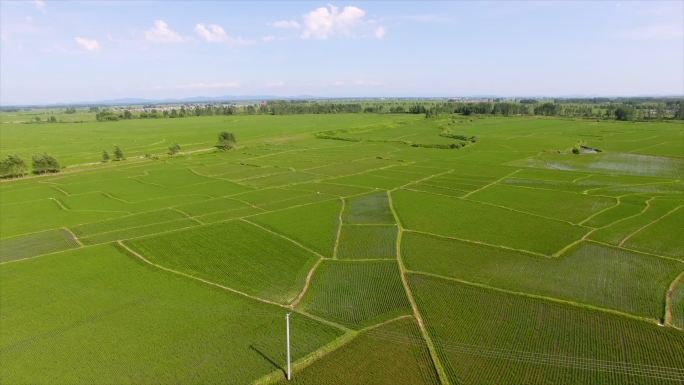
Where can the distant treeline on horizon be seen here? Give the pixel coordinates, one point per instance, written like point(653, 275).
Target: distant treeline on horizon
point(638, 108)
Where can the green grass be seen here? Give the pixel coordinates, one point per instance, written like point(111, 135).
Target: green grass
point(484, 223)
point(663, 236)
point(96, 315)
point(677, 298)
point(574, 207)
point(589, 273)
point(92, 315)
point(314, 226)
point(235, 254)
point(30, 245)
point(356, 294)
point(388, 355)
point(620, 230)
point(370, 208)
point(367, 241)
point(486, 337)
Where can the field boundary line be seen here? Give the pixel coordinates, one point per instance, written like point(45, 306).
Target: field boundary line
point(192, 218)
point(627, 185)
point(309, 359)
point(587, 306)
point(316, 253)
point(307, 282)
point(364, 259)
point(139, 256)
point(339, 230)
point(323, 320)
point(668, 301)
point(647, 205)
point(555, 190)
point(78, 241)
point(479, 243)
point(634, 250)
point(423, 179)
point(618, 202)
point(492, 183)
point(439, 368)
point(518, 211)
point(625, 239)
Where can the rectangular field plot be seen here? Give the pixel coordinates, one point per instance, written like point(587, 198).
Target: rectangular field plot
point(125, 222)
point(589, 273)
point(367, 241)
point(212, 205)
point(235, 254)
point(622, 230)
point(30, 245)
point(95, 201)
point(488, 337)
point(665, 235)
point(608, 163)
point(370, 208)
point(356, 294)
point(281, 179)
point(390, 354)
point(369, 180)
point(330, 189)
point(139, 231)
point(110, 319)
point(26, 193)
point(21, 218)
point(314, 226)
point(477, 222)
point(629, 205)
point(566, 206)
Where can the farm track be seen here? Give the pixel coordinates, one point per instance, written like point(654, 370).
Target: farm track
point(667, 319)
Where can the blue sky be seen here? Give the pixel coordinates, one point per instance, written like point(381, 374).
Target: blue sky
point(63, 51)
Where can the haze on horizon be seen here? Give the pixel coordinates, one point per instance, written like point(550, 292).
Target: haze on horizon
point(72, 51)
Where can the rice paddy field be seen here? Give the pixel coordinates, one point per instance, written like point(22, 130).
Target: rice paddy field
point(510, 260)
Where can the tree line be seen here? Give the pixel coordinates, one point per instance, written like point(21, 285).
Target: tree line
point(13, 166)
point(596, 108)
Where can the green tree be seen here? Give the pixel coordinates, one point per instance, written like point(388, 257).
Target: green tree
point(174, 149)
point(52, 119)
point(118, 154)
point(127, 114)
point(105, 156)
point(13, 166)
point(226, 141)
point(624, 113)
point(45, 163)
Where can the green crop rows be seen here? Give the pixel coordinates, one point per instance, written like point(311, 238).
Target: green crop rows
point(402, 261)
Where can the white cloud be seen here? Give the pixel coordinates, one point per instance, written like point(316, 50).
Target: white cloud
point(268, 38)
point(330, 21)
point(207, 86)
point(653, 32)
point(286, 24)
point(213, 33)
point(89, 45)
point(40, 5)
point(161, 33)
point(324, 22)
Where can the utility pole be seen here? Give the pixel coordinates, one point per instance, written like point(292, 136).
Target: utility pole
point(287, 325)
